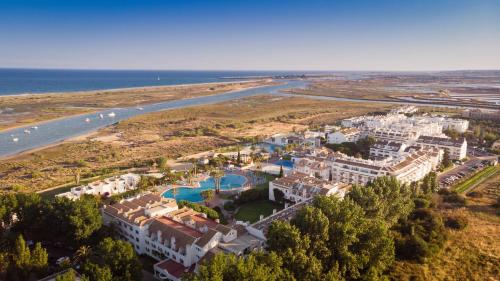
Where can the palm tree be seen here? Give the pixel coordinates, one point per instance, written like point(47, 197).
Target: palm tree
point(217, 175)
point(174, 192)
point(82, 253)
point(189, 177)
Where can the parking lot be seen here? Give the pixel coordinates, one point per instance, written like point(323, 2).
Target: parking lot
point(460, 172)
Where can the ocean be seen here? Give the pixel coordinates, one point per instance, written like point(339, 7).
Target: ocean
point(36, 81)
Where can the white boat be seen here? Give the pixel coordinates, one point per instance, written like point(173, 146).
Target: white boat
point(87, 120)
point(34, 127)
point(158, 78)
point(140, 108)
point(112, 114)
point(15, 139)
point(27, 131)
point(101, 116)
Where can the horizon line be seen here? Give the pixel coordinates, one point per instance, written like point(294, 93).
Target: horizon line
point(249, 70)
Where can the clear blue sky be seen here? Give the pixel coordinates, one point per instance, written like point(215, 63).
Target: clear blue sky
point(258, 35)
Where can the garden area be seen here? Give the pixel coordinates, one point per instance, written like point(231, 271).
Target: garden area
point(251, 211)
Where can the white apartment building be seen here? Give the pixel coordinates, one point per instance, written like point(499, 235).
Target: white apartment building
point(456, 148)
point(408, 167)
point(107, 187)
point(155, 226)
point(298, 187)
point(397, 135)
point(383, 149)
point(459, 125)
point(344, 135)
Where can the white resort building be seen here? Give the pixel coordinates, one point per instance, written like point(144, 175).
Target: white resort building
point(107, 187)
point(383, 149)
point(457, 148)
point(344, 135)
point(298, 187)
point(177, 238)
point(411, 165)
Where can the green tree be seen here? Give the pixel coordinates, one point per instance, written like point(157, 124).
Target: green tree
point(238, 157)
point(281, 171)
point(207, 194)
point(283, 236)
point(446, 159)
point(162, 163)
point(360, 246)
point(385, 198)
point(39, 259)
point(429, 183)
point(69, 275)
point(22, 254)
point(95, 272)
point(121, 259)
point(256, 266)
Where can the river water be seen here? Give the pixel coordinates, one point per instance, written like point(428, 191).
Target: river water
point(61, 129)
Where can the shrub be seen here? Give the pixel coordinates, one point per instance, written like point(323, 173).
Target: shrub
point(421, 203)
point(475, 194)
point(454, 198)
point(229, 206)
point(211, 213)
point(456, 222)
point(252, 195)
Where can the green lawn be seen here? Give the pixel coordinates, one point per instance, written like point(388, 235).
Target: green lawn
point(251, 211)
point(477, 178)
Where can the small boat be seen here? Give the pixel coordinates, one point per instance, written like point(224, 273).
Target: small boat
point(112, 114)
point(87, 120)
point(101, 116)
point(15, 139)
point(158, 78)
point(140, 108)
point(34, 127)
point(27, 131)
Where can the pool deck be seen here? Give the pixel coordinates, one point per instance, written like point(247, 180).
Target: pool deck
point(202, 177)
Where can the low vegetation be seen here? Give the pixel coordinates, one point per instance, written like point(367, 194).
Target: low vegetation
point(140, 140)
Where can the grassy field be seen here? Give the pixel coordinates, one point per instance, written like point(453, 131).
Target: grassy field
point(476, 178)
point(24, 110)
point(252, 211)
point(171, 134)
point(469, 254)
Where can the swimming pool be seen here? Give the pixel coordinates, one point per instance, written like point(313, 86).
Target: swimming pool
point(228, 181)
point(285, 163)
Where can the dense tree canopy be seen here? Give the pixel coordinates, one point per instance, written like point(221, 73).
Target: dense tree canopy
point(257, 266)
point(113, 260)
point(385, 198)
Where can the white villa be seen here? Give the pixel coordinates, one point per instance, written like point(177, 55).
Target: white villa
point(107, 187)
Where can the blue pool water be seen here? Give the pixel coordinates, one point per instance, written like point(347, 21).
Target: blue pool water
point(285, 163)
point(229, 181)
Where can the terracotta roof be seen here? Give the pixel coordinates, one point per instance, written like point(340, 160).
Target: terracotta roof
point(174, 268)
point(223, 229)
point(183, 234)
point(207, 236)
